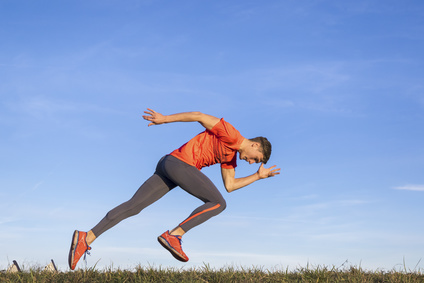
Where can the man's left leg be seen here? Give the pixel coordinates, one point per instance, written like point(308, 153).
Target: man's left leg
point(197, 184)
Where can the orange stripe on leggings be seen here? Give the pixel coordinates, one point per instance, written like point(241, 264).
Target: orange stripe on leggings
point(197, 214)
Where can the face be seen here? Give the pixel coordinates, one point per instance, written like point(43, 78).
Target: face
point(252, 154)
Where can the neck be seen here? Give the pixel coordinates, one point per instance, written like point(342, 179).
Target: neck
point(243, 145)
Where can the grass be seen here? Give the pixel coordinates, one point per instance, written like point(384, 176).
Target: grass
point(206, 274)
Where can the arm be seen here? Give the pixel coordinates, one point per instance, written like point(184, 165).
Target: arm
point(231, 183)
point(205, 120)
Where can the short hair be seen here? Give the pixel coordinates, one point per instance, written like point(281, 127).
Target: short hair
point(265, 147)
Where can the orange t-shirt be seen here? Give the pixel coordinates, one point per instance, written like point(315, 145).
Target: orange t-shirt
point(218, 145)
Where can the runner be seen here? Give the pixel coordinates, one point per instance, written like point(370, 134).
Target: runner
point(219, 143)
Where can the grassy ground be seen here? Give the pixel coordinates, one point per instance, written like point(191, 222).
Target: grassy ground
point(206, 274)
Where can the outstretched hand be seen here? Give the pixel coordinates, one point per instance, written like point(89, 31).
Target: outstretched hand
point(154, 117)
point(268, 172)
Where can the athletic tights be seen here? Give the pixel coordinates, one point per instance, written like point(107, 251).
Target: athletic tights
point(170, 172)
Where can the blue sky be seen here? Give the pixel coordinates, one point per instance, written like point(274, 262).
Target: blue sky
point(336, 86)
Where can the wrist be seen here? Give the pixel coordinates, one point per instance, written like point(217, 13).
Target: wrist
point(166, 119)
point(258, 176)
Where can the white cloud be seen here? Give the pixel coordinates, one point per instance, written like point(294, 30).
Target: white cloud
point(418, 188)
point(5, 220)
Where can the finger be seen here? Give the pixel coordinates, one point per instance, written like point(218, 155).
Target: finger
point(151, 110)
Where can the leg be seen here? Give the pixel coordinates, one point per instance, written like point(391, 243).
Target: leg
point(197, 184)
point(152, 190)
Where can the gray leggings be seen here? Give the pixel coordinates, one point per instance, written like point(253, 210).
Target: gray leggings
point(170, 172)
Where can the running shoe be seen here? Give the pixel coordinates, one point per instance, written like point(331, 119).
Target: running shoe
point(78, 248)
point(173, 245)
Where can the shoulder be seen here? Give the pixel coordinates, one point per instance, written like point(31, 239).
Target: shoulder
point(223, 125)
point(227, 134)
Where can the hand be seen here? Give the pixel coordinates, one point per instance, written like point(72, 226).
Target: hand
point(267, 172)
point(154, 117)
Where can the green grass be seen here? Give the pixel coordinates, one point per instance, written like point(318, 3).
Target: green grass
point(206, 274)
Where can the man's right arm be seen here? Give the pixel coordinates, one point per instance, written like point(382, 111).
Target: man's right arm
point(205, 120)
point(232, 183)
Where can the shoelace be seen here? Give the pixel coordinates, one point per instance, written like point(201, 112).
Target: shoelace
point(179, 238)
point(87, 252)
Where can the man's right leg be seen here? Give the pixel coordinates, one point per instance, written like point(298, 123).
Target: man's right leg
point(152, 190)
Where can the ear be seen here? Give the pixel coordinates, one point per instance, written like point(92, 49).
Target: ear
point(256, 145)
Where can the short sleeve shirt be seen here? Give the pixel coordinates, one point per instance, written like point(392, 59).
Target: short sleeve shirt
point(218, 145)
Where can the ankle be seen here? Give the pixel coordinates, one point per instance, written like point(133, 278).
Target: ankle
point(90, 237)
point(177, 232)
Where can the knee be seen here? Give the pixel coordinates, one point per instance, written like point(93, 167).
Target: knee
point(125, 210)
point(222, 205)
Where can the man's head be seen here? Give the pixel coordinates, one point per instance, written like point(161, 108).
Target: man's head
point(256, 150)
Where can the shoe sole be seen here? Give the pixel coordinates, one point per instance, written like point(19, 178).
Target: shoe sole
point(72, 249)
point(167, 246)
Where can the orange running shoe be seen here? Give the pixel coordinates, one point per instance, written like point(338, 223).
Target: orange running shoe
point(79, 248)
point(173, 245)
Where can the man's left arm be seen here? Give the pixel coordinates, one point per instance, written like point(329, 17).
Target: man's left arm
point(232, 183)
point(157, 118)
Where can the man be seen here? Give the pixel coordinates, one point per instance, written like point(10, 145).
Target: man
point(219, 143)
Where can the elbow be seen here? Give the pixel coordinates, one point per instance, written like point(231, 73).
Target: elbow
point(197, 114)
point(229, 188)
